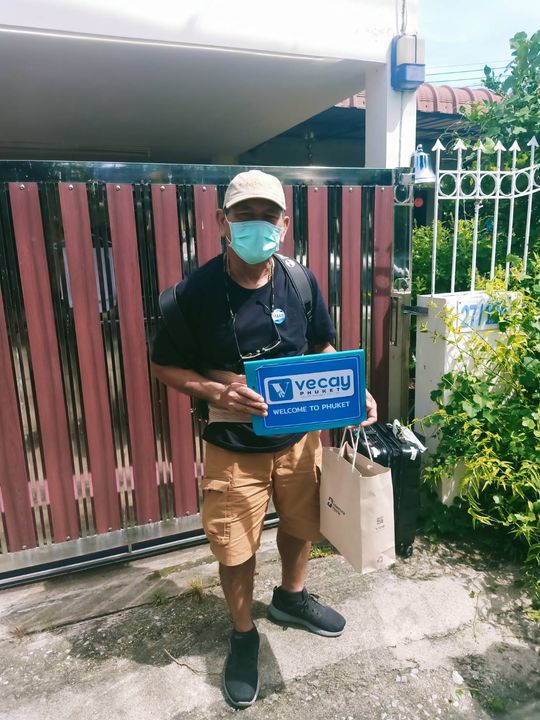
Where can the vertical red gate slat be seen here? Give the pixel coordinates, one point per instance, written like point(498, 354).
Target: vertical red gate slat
point(14, 481)
point(206, 226)
point(383, 235)
point(317, 255)
point(169, 268)
point(45, 359)
point(134, 352)
point(90, 351)
point(287, 246)
point(351, 267)
point(318, 236)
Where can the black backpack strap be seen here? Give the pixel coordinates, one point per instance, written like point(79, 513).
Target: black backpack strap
point(175, 322)
point(181, 335)
point(168, 305)
point(300, 281)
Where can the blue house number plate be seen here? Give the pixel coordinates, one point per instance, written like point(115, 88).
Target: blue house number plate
point(309, 392)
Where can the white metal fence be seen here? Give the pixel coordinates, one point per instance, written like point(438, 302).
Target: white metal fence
point(494, 185)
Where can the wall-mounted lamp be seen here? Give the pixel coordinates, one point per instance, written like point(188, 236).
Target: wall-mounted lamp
point(408, 62)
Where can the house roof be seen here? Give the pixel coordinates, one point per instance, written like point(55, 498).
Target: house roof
point(434, 99)
point(437, 111)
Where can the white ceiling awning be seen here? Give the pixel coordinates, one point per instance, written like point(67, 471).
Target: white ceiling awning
point(198, 81)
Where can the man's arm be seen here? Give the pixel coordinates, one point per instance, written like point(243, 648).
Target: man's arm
point(324, 348)
point(235, 397)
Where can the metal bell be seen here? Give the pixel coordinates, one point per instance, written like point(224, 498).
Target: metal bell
point(421, 163)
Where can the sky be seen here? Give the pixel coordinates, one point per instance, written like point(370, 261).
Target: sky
point(464, 35)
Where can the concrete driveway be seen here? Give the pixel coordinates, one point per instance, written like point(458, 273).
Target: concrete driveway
point(440, 635)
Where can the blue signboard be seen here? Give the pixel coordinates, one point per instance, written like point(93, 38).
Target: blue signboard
point(309, 392)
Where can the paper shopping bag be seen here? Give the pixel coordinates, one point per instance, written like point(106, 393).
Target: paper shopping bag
point(357, 508)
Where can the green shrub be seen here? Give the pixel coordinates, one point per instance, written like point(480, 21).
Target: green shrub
point(489, 417)
point(515, 117)
point(422, 251)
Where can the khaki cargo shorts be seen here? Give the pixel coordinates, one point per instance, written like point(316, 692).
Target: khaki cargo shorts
point(237, 488)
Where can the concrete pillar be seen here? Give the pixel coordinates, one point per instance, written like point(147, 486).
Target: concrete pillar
point(390, 121)
point(390, 142)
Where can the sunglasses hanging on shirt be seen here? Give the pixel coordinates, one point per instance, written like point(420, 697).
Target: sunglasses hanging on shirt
point(276, 338)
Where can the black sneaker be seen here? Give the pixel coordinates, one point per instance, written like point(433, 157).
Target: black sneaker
point(301, 608)
point(240, 674)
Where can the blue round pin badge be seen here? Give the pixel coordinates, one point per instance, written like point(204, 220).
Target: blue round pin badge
point(278, 316)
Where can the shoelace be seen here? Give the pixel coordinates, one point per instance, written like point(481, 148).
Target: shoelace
point(306, 600)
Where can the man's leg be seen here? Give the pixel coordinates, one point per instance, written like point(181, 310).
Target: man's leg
point(237, 489)
point(291, 603)
point(296, 498)
point(240, 676)
point(294, 559)
point(237, 584)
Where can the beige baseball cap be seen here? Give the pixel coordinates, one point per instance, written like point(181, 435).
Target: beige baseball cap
point(254, 184)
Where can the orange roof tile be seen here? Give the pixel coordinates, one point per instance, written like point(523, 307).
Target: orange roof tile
point(434, 98)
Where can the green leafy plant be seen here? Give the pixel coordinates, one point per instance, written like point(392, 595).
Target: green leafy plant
point(321, 549)
point(496, 704)
point(513, 118)
point(516, 116)
point(422, 247)
point(488, 418)
point(446, 521)
point(197, 590)
point(158, 597)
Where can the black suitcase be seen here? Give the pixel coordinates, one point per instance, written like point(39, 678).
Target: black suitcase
point(404, 460)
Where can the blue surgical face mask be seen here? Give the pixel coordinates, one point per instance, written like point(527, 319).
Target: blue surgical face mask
point(254, 241)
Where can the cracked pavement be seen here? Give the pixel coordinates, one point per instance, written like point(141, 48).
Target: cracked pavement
point(442, 634)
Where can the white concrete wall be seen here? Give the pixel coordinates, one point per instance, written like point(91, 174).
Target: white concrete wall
point(195, 80)
point(341, 29)
point(436, 357)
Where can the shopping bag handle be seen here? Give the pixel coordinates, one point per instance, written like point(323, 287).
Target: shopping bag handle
point(355, 443)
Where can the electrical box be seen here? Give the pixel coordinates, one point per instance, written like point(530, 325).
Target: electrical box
point(408, 62)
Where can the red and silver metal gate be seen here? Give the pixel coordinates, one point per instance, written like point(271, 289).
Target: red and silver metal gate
point(98, 460)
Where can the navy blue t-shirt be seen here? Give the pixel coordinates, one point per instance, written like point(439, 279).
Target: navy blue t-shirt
point(202, 298)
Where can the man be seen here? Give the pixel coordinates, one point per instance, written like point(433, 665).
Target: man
point(242, 306)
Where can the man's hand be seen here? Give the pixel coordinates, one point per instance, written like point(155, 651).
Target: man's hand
point(237, 397)
point(371, 408)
